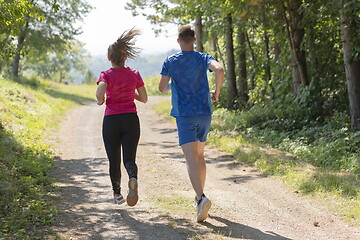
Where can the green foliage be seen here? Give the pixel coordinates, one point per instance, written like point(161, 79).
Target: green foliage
point(28, 114)
point(328, 147)
point(61, 65)
point(39, 28)
point(164, 109)
point(13, 15)
point(324, 160)
point(152, 86)
point(327, 144)
point(271, 28)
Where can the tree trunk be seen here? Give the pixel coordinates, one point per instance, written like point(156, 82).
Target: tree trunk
point(313, 58)
point(16, 62)
point(267, 77)
point(213, 44)
point(253, 58)
point(218, 53)
point(314, 72)
point(231, 77)
point(296, 36)
point(352, 67)
point(242, 72)
point(198, 34)
point(277, 57)
point(20, 45)
point(295, 75)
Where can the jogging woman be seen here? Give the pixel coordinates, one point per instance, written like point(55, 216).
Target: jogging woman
point(121, 127)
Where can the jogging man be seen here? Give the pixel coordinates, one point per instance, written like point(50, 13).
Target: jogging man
point(192, 107)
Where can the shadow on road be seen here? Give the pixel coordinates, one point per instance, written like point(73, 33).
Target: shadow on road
point(87, 210)
point(92, 215)
point(237, 230)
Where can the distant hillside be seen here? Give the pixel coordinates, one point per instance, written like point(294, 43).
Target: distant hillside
point(147, 65)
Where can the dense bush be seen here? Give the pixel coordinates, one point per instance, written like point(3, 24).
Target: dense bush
point(327, 144)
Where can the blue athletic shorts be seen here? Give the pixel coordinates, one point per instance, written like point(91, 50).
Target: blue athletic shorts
point(193, 129)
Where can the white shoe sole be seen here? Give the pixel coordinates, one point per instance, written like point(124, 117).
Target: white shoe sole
point(119, 202)
point(204, 211)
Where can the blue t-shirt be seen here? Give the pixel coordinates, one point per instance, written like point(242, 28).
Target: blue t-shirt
point(189, 83)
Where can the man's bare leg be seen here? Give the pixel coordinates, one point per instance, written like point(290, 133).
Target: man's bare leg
point(196, 166)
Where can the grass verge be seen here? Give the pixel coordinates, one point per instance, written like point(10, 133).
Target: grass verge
point(338, 190)
point(29, 112)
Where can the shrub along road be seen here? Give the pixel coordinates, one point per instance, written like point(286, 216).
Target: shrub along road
point(246, 204)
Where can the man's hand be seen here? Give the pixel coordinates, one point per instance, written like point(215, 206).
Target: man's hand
point(214, 96)
point(219, 79)
point(164, 83)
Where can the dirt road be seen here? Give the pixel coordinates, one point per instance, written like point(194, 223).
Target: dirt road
point(246, 204)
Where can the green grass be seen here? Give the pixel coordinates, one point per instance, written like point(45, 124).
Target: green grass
point(174, 203)
point(29, 112)
point(304, 168)
point(163, 108)
point(152, 86)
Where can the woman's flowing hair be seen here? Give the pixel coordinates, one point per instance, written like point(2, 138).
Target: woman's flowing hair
point(124, 47)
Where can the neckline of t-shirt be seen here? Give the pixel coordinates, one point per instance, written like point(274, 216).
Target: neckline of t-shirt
point(119, 68)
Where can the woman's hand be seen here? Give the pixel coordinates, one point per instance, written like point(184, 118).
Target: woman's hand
point(100, 93)
point(100, 102)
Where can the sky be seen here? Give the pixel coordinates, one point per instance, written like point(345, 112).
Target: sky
point(109, 19)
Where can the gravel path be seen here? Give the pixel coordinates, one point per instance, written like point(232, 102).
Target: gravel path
point(246, 204)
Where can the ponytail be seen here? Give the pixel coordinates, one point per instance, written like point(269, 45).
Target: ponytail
point(124, 47)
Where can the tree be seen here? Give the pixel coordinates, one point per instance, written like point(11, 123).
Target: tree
point(231, 77)
point(199, 34)
point(61, 65)
point(267, 66)
point(350, 21)
point(89, 78)
point(54, 30)
point(288, 53)
point(242, 67)
point(296, 32)
point(12, 17)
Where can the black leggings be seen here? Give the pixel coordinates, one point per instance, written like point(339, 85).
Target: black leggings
point(121, 131)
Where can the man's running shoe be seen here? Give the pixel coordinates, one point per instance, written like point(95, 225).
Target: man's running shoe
point(119, 199)
point(132, 196)
point(203, 206)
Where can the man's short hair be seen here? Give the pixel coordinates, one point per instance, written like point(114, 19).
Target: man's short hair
point(186, 33)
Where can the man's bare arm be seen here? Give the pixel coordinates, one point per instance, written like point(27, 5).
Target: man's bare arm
point(219, 79)
point(164, 83)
